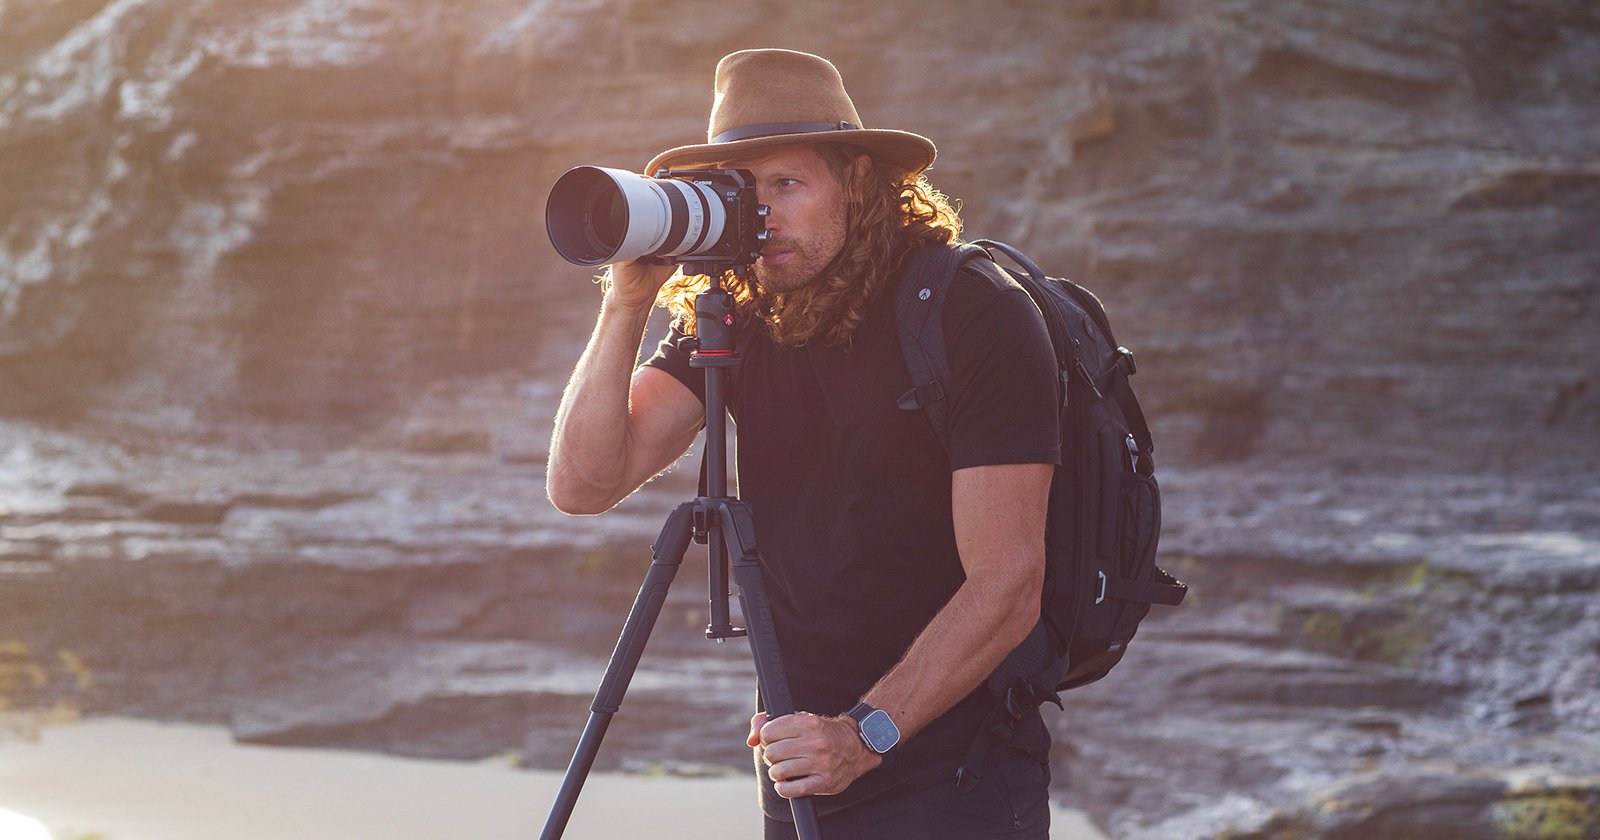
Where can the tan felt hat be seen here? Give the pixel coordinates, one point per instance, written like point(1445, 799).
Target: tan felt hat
point(771, 98)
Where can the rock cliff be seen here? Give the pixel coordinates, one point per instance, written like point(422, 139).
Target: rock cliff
point(1319, 221)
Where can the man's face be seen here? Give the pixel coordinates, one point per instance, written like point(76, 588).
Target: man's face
point(807, 223)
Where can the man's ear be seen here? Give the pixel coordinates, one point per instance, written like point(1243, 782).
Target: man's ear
point(861, 166)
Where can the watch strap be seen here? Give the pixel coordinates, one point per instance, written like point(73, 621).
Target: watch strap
point(860, 711)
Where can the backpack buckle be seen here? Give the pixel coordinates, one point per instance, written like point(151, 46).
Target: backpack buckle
point(921, 395)
point(1125, 361)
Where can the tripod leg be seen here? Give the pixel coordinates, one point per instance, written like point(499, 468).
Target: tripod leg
point(667, 554)
point(739, 530)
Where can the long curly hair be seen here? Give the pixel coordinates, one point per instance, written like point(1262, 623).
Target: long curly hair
point(888, 212)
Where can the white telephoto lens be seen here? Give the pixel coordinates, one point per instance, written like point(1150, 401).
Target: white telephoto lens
point(597, 215)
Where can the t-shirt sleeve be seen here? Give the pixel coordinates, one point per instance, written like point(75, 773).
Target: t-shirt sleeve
point(1004, 377)
point(673, 360)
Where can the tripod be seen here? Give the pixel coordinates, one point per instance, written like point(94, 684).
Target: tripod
point(725, 526)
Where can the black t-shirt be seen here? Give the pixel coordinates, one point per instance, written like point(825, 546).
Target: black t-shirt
point(851, 498)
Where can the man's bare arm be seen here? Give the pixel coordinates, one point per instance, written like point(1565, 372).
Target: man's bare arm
point(1000, 516)
point(617, 427)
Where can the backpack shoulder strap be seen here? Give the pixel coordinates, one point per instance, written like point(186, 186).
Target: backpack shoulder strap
point(919, 319)
point(1097, 311)
point(1085, 298)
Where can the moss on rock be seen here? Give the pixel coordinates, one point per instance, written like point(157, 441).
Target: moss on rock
point(1571, 813)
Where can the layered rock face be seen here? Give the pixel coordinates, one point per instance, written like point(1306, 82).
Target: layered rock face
point(1354, 246)
point(1316, 221)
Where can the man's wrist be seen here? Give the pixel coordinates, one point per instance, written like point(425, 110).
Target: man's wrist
point(864, 753)
point(614, 298)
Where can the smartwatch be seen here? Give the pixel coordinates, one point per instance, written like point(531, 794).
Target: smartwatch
point(876, 728)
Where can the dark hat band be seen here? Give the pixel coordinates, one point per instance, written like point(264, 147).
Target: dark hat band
point(772, 129)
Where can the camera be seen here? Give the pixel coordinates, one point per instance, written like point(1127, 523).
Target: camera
point(597, 216)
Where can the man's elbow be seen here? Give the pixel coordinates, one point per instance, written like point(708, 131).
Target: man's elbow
point(575, 497)
point(573, 506)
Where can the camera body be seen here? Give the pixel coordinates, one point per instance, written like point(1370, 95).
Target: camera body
point(706, 217)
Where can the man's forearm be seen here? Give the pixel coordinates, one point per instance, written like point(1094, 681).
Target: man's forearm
point(958, 650)
point(999, 513)
point(589, 444)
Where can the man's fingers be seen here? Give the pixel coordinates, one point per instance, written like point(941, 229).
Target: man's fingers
point(788, 726)
point(796, 788)
point(638, 282)
point(811, 784)
point(788, 771)
point(758, 720)
point(796, 777)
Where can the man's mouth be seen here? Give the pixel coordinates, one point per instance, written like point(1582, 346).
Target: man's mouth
point(775, 256)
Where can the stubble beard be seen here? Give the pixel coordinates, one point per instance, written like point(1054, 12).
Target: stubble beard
point(805, 265)
point(799, 272)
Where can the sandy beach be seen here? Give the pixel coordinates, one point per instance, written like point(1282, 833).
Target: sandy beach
point(122, 779)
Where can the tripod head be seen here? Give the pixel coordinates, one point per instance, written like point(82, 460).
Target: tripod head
point(715, 325)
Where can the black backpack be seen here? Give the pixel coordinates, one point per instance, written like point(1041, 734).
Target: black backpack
point(1105, 506)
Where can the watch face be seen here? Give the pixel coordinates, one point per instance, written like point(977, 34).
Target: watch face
point(879, 731)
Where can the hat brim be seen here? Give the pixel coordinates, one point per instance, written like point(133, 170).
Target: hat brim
point(902, 149)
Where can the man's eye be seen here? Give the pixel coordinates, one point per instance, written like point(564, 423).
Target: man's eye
point(787, 182)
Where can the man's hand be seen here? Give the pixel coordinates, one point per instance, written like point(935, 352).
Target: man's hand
point(636, 284)
point(808, 754)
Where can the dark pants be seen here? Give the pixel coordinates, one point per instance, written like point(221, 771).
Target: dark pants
point(1011, 800)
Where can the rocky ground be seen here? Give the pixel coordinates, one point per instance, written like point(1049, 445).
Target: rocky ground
point(1364, 655)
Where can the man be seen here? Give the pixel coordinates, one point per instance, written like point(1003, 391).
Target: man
point(900, 573)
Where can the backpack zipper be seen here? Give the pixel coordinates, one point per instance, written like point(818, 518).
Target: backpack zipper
point(1083, 372)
